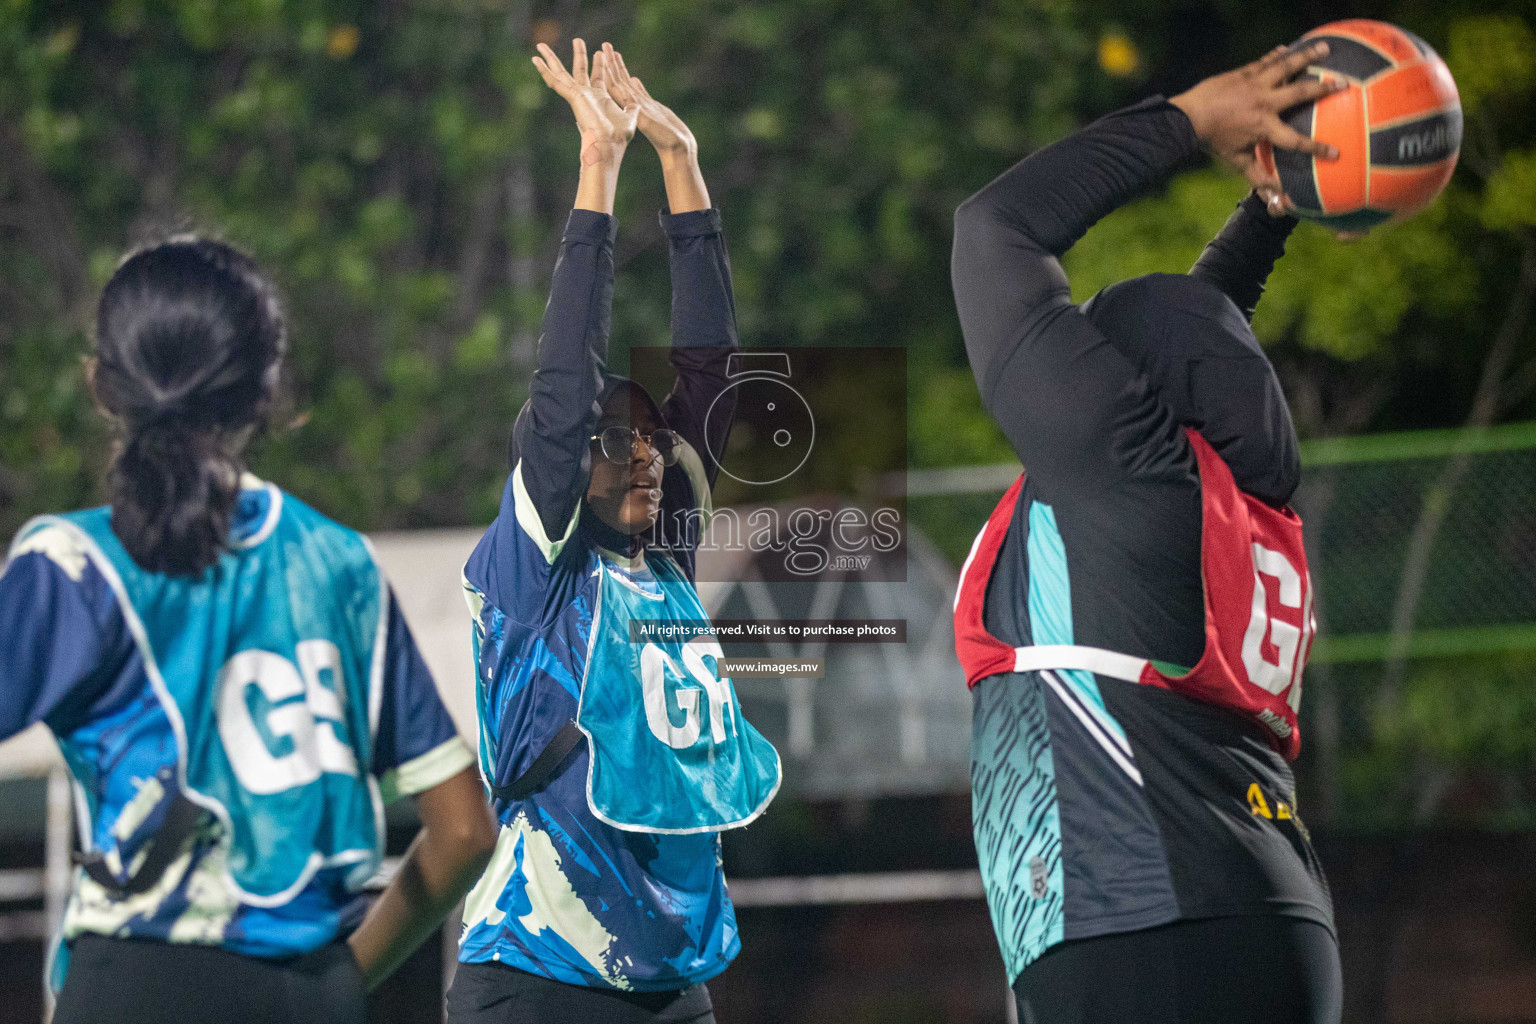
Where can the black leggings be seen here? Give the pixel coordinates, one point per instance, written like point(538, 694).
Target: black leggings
point(138, 981)
point(493, 993)
point(1257, 970)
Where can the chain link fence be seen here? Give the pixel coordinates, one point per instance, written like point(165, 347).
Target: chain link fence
point(1420, 697)
point(1463, 510)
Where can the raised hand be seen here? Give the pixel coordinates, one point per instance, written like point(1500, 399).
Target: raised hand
point(674, 143)
point(658, 123)
point(1234, 112)
point(606, 125)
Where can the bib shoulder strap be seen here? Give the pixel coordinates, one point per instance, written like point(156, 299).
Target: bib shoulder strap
point(545, 767)
point(1073, 656)
point(982, 654)
point(182, 819)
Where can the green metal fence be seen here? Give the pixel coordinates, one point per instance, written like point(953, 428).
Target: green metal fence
point(1420, 696)
point(1460, 506)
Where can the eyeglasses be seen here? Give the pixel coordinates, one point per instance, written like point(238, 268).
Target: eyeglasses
point(618, 444)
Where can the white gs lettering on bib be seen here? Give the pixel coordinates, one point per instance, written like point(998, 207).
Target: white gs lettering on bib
point(315, 724)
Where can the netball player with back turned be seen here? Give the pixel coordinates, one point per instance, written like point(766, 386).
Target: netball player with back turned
point(232, 686)
point(1135, 615)
point(614, 760)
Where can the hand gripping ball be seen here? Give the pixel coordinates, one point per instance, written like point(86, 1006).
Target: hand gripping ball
point(1397, 128)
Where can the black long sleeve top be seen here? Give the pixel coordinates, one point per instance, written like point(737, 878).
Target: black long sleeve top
point(1094, 399)
point(1104, 550)
point(552, 434)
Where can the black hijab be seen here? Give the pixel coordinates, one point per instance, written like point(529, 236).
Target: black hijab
point(1200, 357)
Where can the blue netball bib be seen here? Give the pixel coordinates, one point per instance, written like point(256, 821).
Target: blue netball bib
point(670, 750)
point(268, 667)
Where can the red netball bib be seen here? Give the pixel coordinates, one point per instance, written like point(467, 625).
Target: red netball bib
point(1258, 610)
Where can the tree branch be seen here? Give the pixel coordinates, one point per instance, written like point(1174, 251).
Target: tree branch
point(1437, 499)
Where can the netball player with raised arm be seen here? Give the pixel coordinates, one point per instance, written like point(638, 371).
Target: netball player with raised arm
point(232, 686)
point(1135, 615)
point(614, 763)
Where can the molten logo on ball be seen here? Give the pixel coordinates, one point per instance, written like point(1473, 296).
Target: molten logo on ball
point(1397, 128)
point(1424, 145)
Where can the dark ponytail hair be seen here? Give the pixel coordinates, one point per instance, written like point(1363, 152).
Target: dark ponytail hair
point(189, 338)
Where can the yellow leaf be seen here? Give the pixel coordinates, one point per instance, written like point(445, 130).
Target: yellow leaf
point(342, 41)
point(1118, 56)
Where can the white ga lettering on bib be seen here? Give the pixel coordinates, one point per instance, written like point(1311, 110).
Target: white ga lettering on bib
point(1288, 640)
point(656, 664)
point(314, 724)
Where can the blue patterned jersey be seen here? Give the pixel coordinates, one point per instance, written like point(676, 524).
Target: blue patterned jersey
point(567, 896)
point(280, 691)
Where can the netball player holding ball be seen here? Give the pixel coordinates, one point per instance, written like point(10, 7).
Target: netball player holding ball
point(614, 761)
point(1135, 615)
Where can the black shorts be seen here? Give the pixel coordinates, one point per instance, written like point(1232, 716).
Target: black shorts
point(1257, 970)
point(141, 981)
point(493, 993)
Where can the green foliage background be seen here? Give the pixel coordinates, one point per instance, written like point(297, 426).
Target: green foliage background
point(403, 173)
